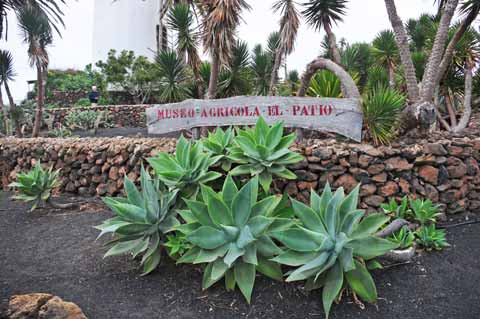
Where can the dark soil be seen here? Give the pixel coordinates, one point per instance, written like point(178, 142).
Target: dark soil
point(56, 252)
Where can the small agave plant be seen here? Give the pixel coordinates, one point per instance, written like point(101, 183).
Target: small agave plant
point(185, 170)
point(264, 152)
point(218, 144)
point(332, 244)
point(36, 186)
point(230, 232)
point(142, 221)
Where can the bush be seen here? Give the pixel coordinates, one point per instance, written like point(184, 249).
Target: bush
point(381, 112)
point(142, 221)
point(230, 232)
point(83, 102)
point(36, 186)
point(331, 245)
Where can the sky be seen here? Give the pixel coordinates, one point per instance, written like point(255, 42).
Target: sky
point(365, 18)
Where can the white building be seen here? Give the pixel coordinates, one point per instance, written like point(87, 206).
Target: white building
point(125, 25)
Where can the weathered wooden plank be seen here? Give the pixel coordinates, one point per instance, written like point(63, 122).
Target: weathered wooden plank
point(342, 116)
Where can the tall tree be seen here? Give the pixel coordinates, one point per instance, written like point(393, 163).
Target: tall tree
point(322, 14)
point(7, 74)
point(37, 34)
point(49, 8)
point(421, 101)
point(220, 21)
point(289, 25)
point(181, 20)
point(385, 51)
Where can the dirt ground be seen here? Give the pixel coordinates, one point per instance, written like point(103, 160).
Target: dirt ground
point(56, 252)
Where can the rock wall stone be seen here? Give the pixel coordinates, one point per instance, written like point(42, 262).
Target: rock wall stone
point(120, 115)
point(446, 171)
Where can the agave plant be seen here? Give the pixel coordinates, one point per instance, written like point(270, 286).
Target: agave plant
point(229, 232)
point(332, 244)
point(142, 221)
point(218, 143)
point(37, 185)
point(185, 170)
point(264, 151)
point(424, 211)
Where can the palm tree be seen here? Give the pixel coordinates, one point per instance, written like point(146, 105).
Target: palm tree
point(421, 99)
point(49, 8)
point(173, 77)
point(323, 13)
point(37, 33)
point(181, 20)
point(235, 79)
point(7, 75)
point(220, 20)
point(261, 66)
point(385, 51)
point(289, 25)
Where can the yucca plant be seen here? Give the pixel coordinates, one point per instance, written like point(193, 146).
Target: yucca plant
point(36, 186)
point(229, 232)
point(263, 151)
point(218, 144)
point(381, 111)
point(187, 169)
point(332, 244)
point(142, 221)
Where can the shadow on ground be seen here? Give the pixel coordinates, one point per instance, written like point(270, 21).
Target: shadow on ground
point(56, 252)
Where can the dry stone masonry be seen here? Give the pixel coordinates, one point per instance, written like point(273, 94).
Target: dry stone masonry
point(443, 170)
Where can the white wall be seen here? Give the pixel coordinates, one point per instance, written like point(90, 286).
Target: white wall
point(124, 25)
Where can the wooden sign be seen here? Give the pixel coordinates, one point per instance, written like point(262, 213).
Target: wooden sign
point(342, 116)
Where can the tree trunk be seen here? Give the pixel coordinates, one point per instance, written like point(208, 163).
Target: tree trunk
point(274, 75)
point(451, 111)
point(40, 101)
point(430, 77)
point(391, 75)
point(449, 52)
point(467, 102)
point(332, 42)
point(351, 89)
point(13, 107)
point(404, 48)
point(212, 87)
point(5, 113)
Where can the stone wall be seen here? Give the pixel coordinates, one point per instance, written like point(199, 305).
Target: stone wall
point(68, 99)
point(446, 171)
point(120, 115)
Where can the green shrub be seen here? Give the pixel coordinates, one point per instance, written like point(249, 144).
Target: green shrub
point(381, 112)
point(332, 243)
point(230, 232)
point(83, 102)
point(263, 151)
point(37, 185)
point(399, 211)
point(218, 144)
point(83, 120)
point(60, 132)
point(424, 211)
point(185, 170)
point(405, 238)
point(430, 237)
point(142, 220)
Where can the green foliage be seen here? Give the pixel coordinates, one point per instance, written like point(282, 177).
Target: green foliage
point(142, 221)
point(83, 120)
point(136, 75)
point(218, 144)
point(37, 185)
point(261, 66)
point(229, 232)
point(187, 169)
point(60, 132)
point(424, 211)
point(177, 245)
point(236, 79)
point(398, 211)
point(264, 151)
point(404, 238)
point(325, 84)
point(173, 75)
point(74, 80)
point(430, 237)
point(381, 111)
point(332, 243)
point(83, 102)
